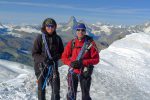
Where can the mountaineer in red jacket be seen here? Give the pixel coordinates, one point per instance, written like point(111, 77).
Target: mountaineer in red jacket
point(80, 54)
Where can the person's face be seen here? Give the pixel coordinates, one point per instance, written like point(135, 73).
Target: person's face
point(80, 33)
point(50, 29)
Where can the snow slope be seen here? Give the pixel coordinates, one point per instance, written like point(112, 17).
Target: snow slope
point(122, 74)
point(124, 71)
point(15, 81)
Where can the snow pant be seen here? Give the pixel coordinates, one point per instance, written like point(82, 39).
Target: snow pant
point(54, 81)
point(85, 83)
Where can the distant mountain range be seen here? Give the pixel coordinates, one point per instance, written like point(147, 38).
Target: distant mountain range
point(16, 41)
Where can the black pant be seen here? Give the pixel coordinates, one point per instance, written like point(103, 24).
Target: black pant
point(55, 85)
point(85, 83)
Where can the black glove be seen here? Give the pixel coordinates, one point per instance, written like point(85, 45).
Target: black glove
point(76, 64)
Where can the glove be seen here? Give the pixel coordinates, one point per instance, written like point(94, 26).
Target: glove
point(76, 64)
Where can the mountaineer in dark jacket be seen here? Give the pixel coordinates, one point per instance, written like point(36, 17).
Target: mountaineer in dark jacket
point(47, 50)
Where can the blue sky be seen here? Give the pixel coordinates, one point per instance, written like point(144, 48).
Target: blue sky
point(91, 11)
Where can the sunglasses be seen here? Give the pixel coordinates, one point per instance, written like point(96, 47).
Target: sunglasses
point(50, 26)
point(82, 30)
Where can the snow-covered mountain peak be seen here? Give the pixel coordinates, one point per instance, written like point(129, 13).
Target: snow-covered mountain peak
point(1, 26)
point(72, 21)
point(147, 23)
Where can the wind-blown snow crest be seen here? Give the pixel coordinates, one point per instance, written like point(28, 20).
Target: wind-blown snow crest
point(123, 73)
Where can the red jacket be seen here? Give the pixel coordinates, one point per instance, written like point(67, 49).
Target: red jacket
point(90, 58)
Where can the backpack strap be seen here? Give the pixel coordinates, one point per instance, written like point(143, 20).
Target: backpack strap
point(72, 44)
point(57, 41)
point(89, 44)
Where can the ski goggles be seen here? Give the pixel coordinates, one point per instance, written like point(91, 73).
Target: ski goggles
point(50, 25)
point(82, 30)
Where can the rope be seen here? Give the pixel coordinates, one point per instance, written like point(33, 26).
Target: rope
point(49, 71)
